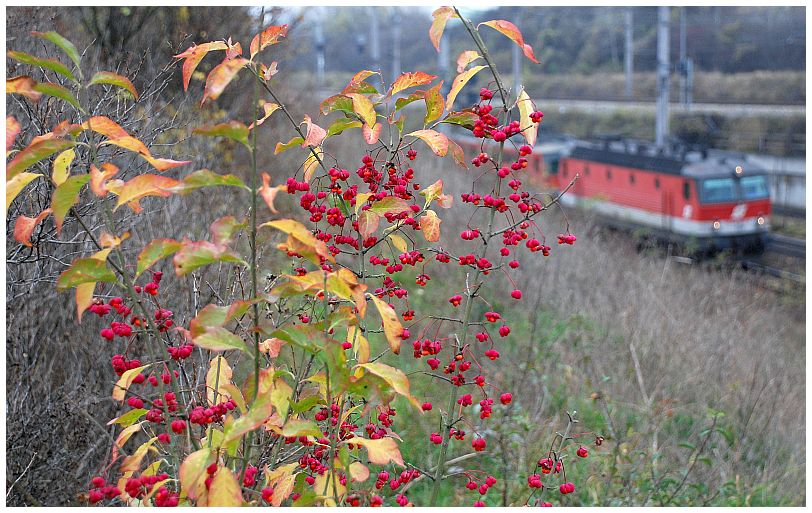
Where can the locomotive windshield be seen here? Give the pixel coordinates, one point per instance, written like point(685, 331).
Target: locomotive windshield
point(754, 187)
point(725, 190)
point(718, 190)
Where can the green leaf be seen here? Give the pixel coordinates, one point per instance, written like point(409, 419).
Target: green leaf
point(220, 339)
point(435, 104)
point(205, 178)
point(62, 43)
point(306, 404)
point(415, 96)
point(34, 153)
point(389, 204)
point(341, 124)
point(233, 130)
point(300, 427)
point(57, 91)
point(393, 377)
point(154, 251)
point(293, 143)
point(465, 119)
point(114, 79)
point(66, 196)
point(51, 64)
point(194, 255)
point(129, 418)
point(260, 410)
point(224, 228)
point(85, 270)
point(337, 102)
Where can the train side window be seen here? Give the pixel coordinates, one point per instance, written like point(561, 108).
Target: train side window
point(586, 170)
point(656, 183)
point(608, 173)
point(631, 179)
point(686, 190)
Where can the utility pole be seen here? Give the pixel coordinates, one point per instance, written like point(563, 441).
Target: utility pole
point(396, 31)
point(319, 41)
point(628, 59)
point(375, 52)
point(662, 77)
point(683, 68)
point(517, 69)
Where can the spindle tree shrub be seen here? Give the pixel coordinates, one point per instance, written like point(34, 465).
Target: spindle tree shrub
point(296, 404)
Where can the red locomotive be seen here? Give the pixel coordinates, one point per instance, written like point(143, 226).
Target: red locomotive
point(705, 199)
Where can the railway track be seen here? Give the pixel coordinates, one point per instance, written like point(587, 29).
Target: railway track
point(788, 246)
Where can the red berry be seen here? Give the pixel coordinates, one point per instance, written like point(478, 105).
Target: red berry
point(478, 444)
point(582, 452)
point(516, 294)
point(427, 406)
point(97, 482)
point(506, 398)
point(178, 426)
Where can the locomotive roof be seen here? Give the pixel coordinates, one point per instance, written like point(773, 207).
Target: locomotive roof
point(693, 164)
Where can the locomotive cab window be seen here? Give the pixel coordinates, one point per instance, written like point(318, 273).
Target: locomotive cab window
point(718, 190)
point(686, 190)
point(754, 187)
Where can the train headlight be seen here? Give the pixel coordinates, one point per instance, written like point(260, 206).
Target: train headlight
point(739, 170)
point(717, 225)
point(760, 221)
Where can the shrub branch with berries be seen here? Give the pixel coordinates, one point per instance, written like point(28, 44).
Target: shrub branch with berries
point(297, 402)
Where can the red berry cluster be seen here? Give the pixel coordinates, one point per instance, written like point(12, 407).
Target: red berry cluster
point(100, 490)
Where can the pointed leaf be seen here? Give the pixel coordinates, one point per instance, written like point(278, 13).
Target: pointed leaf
point(466, 58)
point(393, 377)
point(24, 227)
point(336, 102)
point(430, 226)
point(380, 451)
point(129, 418)
point(389, 205)
point(142, 186)
point(391, 325)
point(61, 169)
point(62, 43)
point(459, 158)
point(223, 229)
point(85, 270)
point(269, 193)
point(314, 133)
point(268, 108)
point(66, 196)
point(368, 222)
point(362, 106)
point(301, 427)
point(154, 251)
point(110, 78)
point(302, 234)
point(193, 55)
point(459, 83)
point(341, 124)
point(433, 191)
point(35, 152)
point(99, 178)
point(220, 339)
point(512, 31)
point(440, 18)
point(194, 255)
point(435, 104)
point(221, 76)
point(269, 36)
point(133, 463)
point(219, 376)
point(57, 91)
point(233, 130)
point(193, 472)
point(411, 79)
point(124, 382)
point(436, 141)
point(528, 127)
point(12, 131)
point(51, 64)
point(371, 135)
point(280, 147)
point(17, 184)
point(25, 86)
point(206, 178)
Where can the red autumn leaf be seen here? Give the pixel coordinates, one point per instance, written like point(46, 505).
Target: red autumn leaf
point(23, 85)
point(437, 142)
point(221, 76)
point(269, 36)
point(142, 186)
point(193, 55)
point(314, 134)
point(24, 227)
point(512, 31)
point(441, 17)
point(413, 79)
point(12, 131)
point(371, 135)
